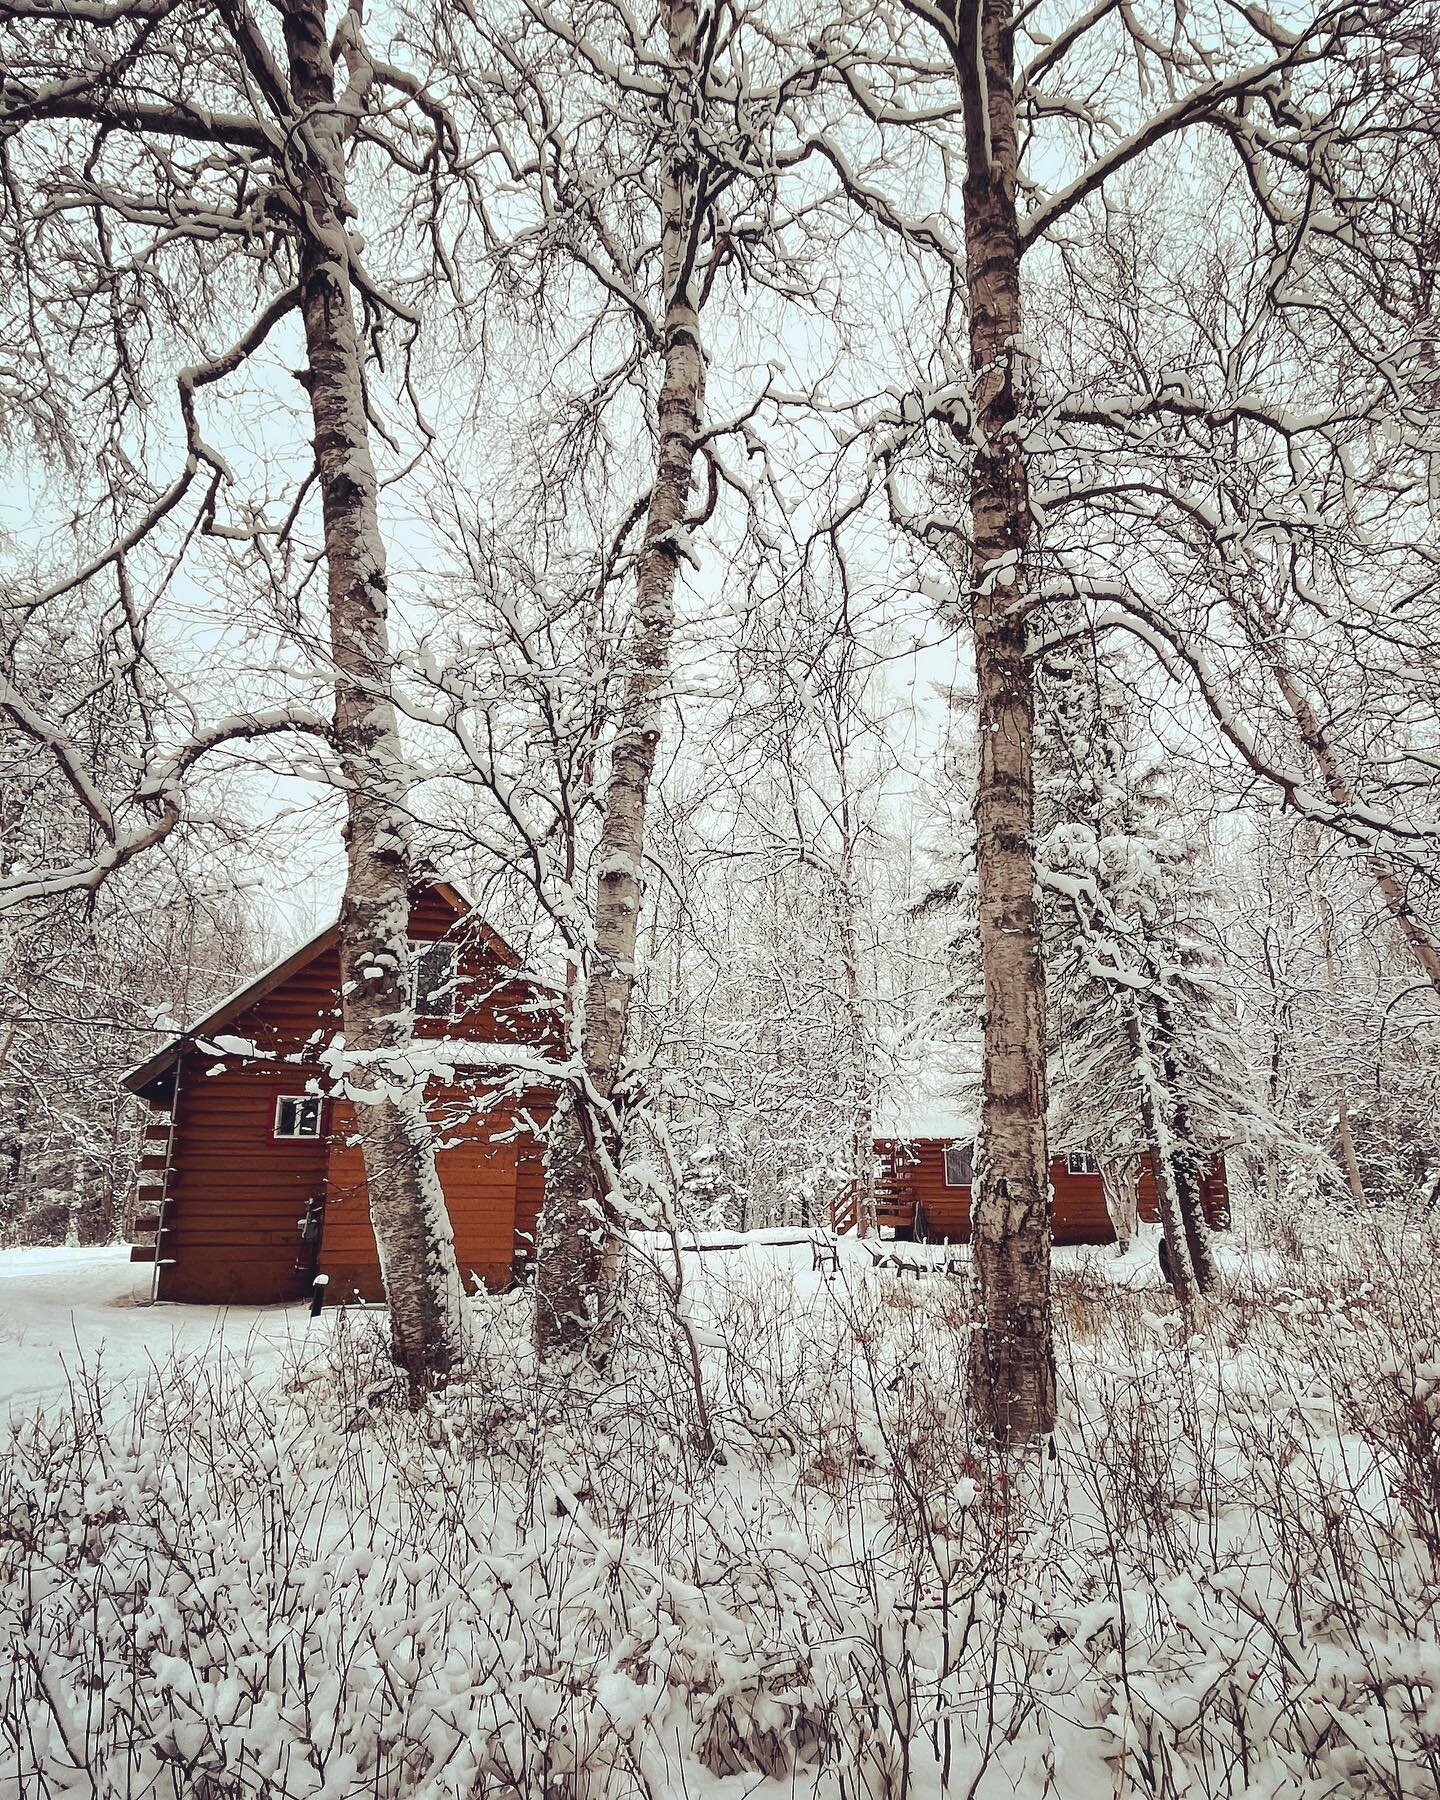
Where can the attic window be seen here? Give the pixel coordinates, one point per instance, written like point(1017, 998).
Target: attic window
point(297, 1116)
point(959, 1165)
point(1080, 1162)
point(432, 980)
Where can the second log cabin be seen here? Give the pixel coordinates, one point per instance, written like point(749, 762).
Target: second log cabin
point(925, 1168)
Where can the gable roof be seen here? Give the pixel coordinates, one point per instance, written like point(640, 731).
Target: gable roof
point(145, 1074)
point(939, 1118)
point(931, 1092)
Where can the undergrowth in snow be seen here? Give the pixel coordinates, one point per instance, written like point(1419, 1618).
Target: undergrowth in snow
point(1222, 1580)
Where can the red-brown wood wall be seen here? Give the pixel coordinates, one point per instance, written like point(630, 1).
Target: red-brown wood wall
point(490, 1166)
point(915, 1170)
point(235, 1196)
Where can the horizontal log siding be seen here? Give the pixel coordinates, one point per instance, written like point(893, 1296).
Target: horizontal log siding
point(236, 1194)
point(483, 1163)
point(915, 1169)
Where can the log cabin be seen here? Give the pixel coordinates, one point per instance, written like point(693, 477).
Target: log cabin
point(252, 1184)
point(924, 1175)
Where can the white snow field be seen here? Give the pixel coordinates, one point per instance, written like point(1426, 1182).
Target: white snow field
point(62, 1309)
point(232, 1565)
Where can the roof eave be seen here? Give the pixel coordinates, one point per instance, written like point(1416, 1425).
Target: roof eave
point(144, 1075)
point(139, 1078)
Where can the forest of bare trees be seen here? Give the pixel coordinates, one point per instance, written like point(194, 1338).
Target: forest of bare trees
point(853, 534)
point(889, 554)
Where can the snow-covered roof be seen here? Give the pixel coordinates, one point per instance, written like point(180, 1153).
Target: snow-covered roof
point(931, 1092)
point(921, 1116)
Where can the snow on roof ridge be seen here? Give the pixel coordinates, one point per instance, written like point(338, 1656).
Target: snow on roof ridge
point(940, 1116)
point(298, 956)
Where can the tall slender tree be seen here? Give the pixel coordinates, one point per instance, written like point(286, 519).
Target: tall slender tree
point(201, 147)
point(1060, 122)
point(643, 149)
point(578, 1246)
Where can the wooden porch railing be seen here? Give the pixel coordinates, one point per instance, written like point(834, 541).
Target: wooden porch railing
point(894, 1205)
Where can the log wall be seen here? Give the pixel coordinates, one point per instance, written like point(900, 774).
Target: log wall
point(913, 1172)
point(235, 1197)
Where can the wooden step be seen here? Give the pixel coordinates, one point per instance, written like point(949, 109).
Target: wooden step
point(140, 1253)
point(895, 1215)
point(145, 1222)
point(155, 1162)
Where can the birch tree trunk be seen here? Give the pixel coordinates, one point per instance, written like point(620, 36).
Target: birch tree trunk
point(579, 1242)
point(862, 1136)
point(1013, 1366)
point(1177, 1181)
point(1120, 1182)
point(407, 1205)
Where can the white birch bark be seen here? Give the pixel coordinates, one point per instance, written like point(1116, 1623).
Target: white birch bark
point(407, 1205)
point(862, 1148)
point(1013, 1363)
point(1120, 1181)
point(579, 1241)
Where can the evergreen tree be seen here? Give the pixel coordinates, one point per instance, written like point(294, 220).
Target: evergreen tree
point(1145, 1052)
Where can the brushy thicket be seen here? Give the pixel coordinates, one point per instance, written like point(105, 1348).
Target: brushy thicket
point(1224, 1581)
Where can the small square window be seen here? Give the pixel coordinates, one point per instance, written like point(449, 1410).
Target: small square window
point(297, 1116)
point(432, 980)
point(959, 1165)
point(1080, 1162)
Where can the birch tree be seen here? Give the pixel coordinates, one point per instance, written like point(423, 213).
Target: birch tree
point(1066, 123)
point(185, 157)
point(577, 1245)
point(639, 155)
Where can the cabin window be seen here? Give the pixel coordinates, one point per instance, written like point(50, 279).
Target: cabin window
point(297, 1116)
point(959, 1165)
point(1080, 1162)
point(432, 980)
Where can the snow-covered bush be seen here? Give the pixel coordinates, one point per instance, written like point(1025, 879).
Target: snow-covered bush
point(1224, 1581)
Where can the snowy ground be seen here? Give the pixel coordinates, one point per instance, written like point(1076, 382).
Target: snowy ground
point(62, 1309)
point(232, 1565)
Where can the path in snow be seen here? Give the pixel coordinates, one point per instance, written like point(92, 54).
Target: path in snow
point(61, 1308)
